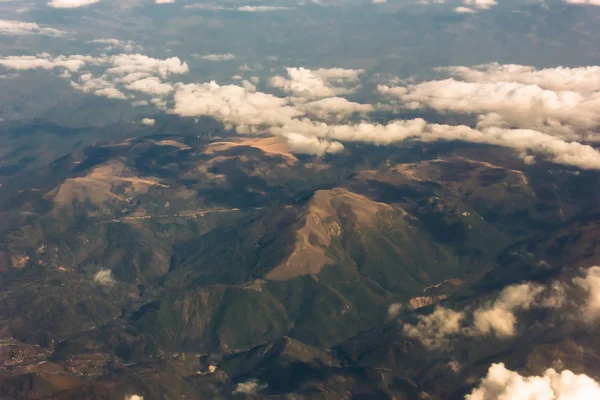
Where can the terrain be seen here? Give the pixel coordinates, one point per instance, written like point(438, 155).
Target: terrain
point(190, 261)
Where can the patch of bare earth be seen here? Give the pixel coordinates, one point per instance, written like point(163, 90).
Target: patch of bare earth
point(321, 226)
point(98, 186)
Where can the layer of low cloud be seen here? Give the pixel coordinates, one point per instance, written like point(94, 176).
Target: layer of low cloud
point(435, 329)
point(319, 83)
point(20, 28)
point(501, 383)
point(553, 109)
point(578, 298)
point(591, 284)
point(111, 44)
point(480, 4)
point(525, 114)
point(71, 3)
point(218, 57)
point(250, 9)
point(584, 2)
point(499, 318)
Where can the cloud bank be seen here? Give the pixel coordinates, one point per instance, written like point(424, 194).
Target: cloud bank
point(501, 383)
point(518, 107)
point(71, 3)
point(20, 28)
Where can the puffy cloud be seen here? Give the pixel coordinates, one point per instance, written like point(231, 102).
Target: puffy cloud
point(148, 121)
point(581, 79)
point(20, 28)
point(434, 329)
point(218, 57)
point(464, 10)
point(555, 149)
point(124, 72)
point(336, 108)
point(315, 99)
point(45, 61)
point(584, 2)
point(323, 82)
point(501, 383)
point(303, 144)
point(232, 105)
point(104, 277)
point(480, 4)
point(591, 284)
point(520, 105)
point(111, 44)
point(71, 3)
point(129, 63)
point(498, 317)
point(252, 9)
point(262, 8)
point(151, 85)
point(164, 1)
point(250, 387)
point(99, 86)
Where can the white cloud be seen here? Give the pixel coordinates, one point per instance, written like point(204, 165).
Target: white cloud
point(303, 144)
point(71, 3)
point(499, 318)
point(434, 329)
point(104, 277)
point(591, 284)
point(151, 85)
point(263, 8)
point(580, 79)
point(252, 9)
point(218, 57)
point(584, 2)
point(130, 63)
point(134, 397)
point(504, 384)
point(316, 110)
point(232, 105)
point(464, 10)
point(45, 61)
point(135, 73)
point(251, 386)
point(480, 4)
point(111, 44)
point(20, 28)
point(148, 121)
point(337, 108)
point(164, 1)
point(323, 82)
point(520, 105)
